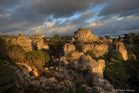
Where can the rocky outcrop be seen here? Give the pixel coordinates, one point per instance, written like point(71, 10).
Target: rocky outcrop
point(85, 41)
point(38, 42)
point(35, 41)
point(97, 67)
point(98, 49)
point(102, 86)
point(45, 46)
point(76, 55)
point(85, 35)
point(67, 48)
point(25, 42)
point(121, 48)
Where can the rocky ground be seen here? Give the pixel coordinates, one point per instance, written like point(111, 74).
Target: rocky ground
point(73, 71)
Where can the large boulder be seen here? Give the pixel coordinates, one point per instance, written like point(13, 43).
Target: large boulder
point(68, 48)
point(85, 35)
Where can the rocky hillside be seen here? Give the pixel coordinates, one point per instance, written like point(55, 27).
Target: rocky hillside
point(85, 63)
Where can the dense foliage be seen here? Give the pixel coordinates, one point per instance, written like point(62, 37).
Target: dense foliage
point(2, 47)
point(37, 58)
point(90, 53)
point(6, 74)
point(116, 70)
point(16, 53)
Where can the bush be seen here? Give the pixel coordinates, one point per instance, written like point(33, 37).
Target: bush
point(70, 57)
point(116, 71)
point(16, 53)
point(90, 53)
point(6, 74)
point(37, 58)
point(3, 50)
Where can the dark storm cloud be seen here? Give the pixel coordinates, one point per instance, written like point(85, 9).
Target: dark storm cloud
point(62, 8)
point(121, 7)
point(20, 15)
point(8, 3)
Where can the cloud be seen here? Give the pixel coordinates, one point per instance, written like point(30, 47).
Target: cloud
point(121, 7)
point(115, 27)
point(98, 24)
point(103, 17)
point(62, 8)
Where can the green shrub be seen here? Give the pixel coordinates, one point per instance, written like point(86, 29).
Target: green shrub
point(16, 53)
point(70, 57)
point(6, 74)
point(81, 90)
point(3, 50)
point(90, 53)
point(116, 70)
point(37, 58)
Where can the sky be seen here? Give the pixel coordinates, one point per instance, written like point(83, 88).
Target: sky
point(63, 17)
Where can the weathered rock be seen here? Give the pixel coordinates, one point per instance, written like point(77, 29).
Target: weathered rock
point(45, 46)
point(25, 42)
point(68, 48)
point(35, 71)
point(121, 48)
point(98, 49)
point(76, 55)
point(38, 42)
point(85, 35)
point(25, 65)
point(102, 86)
point(97, 66)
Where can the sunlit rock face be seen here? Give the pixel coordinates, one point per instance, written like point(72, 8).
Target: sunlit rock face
point(68, 48)
point(121, 48)
point(25, 42)
point(38, 43)
point(97, 67)
point(76, 55)
point(85, 41)
point(98, 49)
point(85, 35)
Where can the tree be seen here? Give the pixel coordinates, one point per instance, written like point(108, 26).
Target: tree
point(3, 50)
point(37, 58)
point(6, 74)
point(107, 37)
point(56, 38)
point(116, 70)
point(16, 53)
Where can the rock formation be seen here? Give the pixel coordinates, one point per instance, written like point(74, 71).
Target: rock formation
point(38, 42)
point(98, 49)
point(35, 41)
point(68, 48)
point(97, 67)
point(85, 35)
point(25, 42)
point(121, 48)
